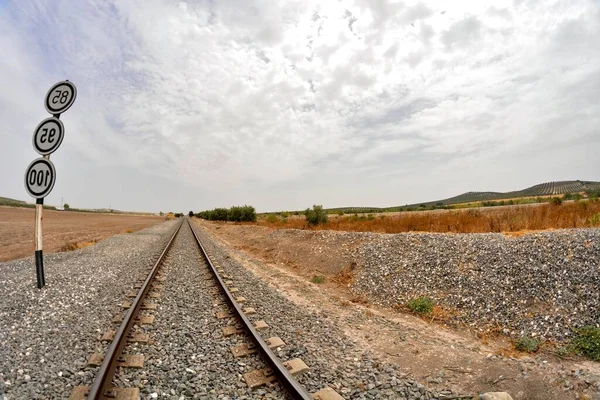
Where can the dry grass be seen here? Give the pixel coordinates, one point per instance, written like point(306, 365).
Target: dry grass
point(71, 246)
point(442, 314)
point(508, 219)
point(345, 276)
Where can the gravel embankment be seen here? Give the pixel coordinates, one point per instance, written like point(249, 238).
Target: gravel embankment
point(541, 284)
point(189, 356)
point(47, 335)
point(334, 360)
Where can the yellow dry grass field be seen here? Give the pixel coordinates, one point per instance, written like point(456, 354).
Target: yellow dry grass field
point(581, 214)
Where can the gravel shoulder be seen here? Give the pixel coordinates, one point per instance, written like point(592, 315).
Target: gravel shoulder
point(47, 335)
point(453, 357)
point(335, 360)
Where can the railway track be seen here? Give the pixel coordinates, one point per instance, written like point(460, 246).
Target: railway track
point(111, 382)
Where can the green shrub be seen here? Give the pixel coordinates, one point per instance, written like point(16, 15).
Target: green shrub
point(248, 213)
point(316, 216)
point(557, 201)
point(318, 279)
point(527, 344)
point(272, 219)
point(219, 214)
point(370, 217)
point(234, 214)
point(421, 305)
point(587, 342)
point(237, 214)
point(562, 351)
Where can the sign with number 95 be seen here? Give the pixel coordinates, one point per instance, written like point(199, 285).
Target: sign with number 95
point(48, 136)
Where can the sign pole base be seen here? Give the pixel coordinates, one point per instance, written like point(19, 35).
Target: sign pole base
point(39, 268)
point(39, 256)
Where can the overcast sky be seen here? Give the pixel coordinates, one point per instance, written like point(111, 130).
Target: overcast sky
point(285, 104)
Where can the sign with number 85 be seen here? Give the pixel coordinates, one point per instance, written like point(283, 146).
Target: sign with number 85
point(60, 97)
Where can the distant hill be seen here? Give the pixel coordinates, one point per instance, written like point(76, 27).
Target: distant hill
point(6, 201)
point(543, 189)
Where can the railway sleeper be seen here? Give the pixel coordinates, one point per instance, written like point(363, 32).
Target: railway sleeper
point(136, 337)
point(124, 361)
point(153, 295)
point(231, 330)
point(260, 325)
point(223, 314)
point(140, 320)
point(244, 349)
point(115, 393)
point(265, 376)
point(154, 286)
point(327, 394)
point(145, 306)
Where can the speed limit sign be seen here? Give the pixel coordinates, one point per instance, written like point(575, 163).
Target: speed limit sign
point(48, 136)
point(40, 177)
point(60, 97)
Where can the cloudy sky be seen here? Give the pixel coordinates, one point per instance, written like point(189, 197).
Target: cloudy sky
point(283, 104)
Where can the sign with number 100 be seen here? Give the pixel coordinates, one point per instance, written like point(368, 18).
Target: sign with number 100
point(60, 97)
point(40, 177)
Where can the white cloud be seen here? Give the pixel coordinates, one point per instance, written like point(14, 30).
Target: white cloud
point(256, 98)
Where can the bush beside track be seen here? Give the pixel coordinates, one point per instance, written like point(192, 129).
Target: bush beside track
point(235, 214)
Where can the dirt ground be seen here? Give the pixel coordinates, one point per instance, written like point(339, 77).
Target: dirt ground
point(61, 229)
point(438, 356)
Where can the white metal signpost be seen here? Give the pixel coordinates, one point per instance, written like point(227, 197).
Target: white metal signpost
point(40, 175)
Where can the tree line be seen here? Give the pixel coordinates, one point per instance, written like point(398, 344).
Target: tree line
point(236, 214)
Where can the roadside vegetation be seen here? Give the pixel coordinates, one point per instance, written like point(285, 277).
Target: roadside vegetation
point(234, 214)
point(7, 202)
point(421, 305)
point(587, 342)
point(527, 344)
point(316, 216)
point(555, 215)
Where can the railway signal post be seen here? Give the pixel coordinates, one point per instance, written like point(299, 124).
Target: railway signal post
point(40, 175)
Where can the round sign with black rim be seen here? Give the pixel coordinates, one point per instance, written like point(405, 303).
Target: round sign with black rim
point(48, 136)
point(40, 177)
point(60, 97)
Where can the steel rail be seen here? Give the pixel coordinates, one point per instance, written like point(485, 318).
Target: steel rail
point(103, 381)
point(283, 375)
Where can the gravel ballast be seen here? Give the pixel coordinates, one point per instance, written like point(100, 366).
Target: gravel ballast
point(334, 360)
point(189, 357)
point(539, 284)
point(47, 335)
